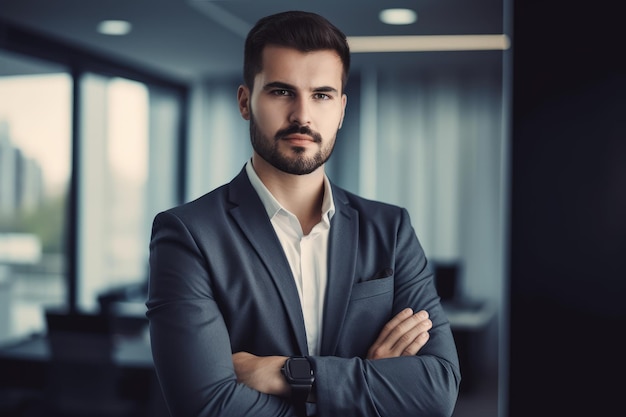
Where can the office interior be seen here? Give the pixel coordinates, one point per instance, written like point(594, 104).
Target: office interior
point(94, 142)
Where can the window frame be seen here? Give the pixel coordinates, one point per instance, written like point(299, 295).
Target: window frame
point(79, 61)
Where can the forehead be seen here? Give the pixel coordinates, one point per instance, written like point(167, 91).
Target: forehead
point(301, 69)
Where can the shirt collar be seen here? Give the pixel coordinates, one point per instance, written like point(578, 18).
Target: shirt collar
point(272, 206)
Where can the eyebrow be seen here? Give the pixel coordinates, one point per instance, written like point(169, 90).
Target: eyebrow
point(285, 86)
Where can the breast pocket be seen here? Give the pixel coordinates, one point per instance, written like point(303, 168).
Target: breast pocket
point(369, 309)
point(372, 288)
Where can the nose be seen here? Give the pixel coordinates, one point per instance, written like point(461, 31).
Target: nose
point(300, 112)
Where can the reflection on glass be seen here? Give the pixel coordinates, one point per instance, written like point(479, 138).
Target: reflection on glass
point(114, 171)
point(35, 124)
point(128, 154)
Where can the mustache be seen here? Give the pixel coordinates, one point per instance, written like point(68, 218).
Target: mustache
point(302, 130)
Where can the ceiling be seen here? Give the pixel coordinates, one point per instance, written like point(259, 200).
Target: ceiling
point(192, 39)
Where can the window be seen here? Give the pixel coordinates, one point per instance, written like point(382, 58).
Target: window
point(35, 155)
point(127, 173)
point(76, 226)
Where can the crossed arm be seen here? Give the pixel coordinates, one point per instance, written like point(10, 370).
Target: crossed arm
point(199, 374)
point(404, 335)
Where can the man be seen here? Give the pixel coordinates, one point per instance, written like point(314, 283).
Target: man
point(281, 294)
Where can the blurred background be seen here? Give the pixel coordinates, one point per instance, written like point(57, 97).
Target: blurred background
point(111, 111)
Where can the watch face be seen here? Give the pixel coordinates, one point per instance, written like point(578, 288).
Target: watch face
point(300, 368)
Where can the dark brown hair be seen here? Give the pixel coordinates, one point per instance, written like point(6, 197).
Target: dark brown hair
point(303, 31)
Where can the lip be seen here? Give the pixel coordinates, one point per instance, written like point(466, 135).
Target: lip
point(299, 139)
point(297, 136)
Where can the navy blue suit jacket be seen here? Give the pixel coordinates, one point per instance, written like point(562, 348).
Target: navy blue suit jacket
point(220, 283)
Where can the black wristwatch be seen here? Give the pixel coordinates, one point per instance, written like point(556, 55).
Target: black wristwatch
point(300, 376)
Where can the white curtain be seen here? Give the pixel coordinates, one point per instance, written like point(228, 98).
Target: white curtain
point(432, 143)
point(219, 143)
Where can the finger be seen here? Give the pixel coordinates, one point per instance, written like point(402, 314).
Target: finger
point(417, 344)
point(401, 336)
point(419, 320)
point(410, 339)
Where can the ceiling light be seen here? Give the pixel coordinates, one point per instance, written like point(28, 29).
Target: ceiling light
point(428, 43)
point(398, 16)
point(114, 27)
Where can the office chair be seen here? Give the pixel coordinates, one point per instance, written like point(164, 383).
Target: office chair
point(83, 379)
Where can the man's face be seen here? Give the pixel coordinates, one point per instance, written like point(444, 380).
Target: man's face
point(295, 108)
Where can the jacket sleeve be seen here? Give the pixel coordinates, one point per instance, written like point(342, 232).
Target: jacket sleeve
point(424, 385)
point(190, 342)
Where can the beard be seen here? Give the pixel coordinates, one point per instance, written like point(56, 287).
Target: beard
point(296, 163)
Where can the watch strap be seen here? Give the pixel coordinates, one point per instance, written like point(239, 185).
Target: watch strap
point(300, 387)
point(300, 393)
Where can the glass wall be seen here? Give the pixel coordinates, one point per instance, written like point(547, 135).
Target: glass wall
point(127, 171)
point(86, 162)
point(35, 155)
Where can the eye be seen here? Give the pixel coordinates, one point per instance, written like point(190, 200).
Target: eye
point(282, 93)
point(321, 96)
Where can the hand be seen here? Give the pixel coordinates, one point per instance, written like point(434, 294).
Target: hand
point(403, 335)
point(261, 373)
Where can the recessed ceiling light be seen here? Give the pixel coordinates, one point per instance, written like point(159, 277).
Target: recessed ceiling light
point(398, 16)
point(114, 27)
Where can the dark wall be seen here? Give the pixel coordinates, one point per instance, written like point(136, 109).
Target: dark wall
point(568, 210)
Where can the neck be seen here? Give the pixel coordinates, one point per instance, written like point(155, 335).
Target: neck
point(302, 195)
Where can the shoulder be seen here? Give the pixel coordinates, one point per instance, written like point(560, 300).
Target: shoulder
point(366, 207)
point(216, 203)
point(204, 204)
point(381, 224)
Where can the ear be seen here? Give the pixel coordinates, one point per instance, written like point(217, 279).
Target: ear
point(243, 98)
point(344, 101)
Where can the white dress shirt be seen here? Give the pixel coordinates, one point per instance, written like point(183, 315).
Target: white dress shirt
point(307, 254)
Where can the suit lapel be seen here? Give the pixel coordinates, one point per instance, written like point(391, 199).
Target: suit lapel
point(251, 217)
point(343, 243)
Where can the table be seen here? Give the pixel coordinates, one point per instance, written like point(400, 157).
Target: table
point(23, 365)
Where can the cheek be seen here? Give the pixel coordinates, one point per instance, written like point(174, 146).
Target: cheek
point(330, 124)
point(266, 118)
